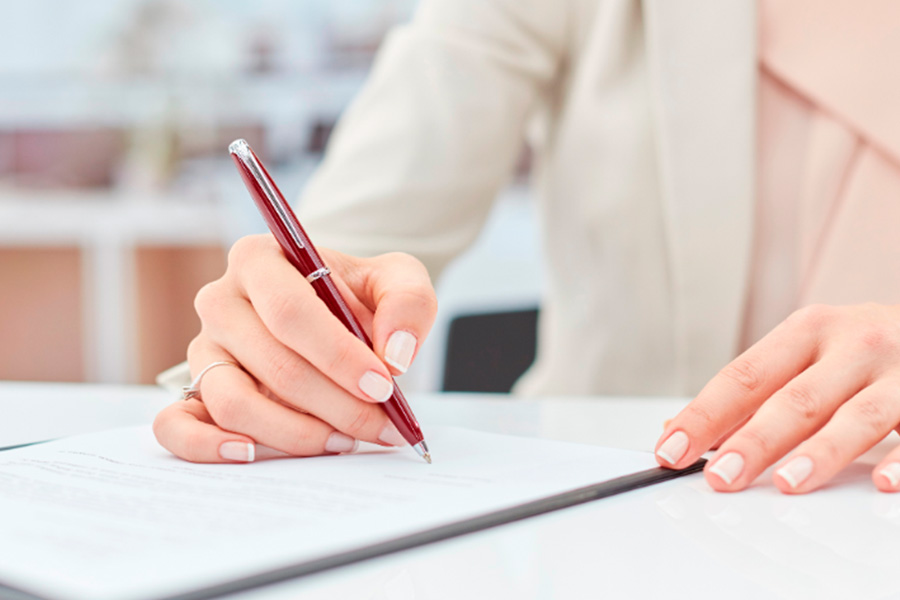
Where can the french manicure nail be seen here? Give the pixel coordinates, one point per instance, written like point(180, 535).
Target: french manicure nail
point(674, 447)
point(339, 442)
point(729, 467)
point(400, 349)
point(892, 472)
point(796, 470)
point(376, 387)
point(390, 436)
point(238, 451)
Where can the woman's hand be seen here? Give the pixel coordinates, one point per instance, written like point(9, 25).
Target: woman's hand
point(825, 383)
point(306, 385)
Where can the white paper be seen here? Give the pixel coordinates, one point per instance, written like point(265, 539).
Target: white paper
point(112, 515)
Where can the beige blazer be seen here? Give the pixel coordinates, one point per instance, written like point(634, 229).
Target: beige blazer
point(641, 116)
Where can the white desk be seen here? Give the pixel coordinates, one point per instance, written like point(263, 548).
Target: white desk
point(675, 540)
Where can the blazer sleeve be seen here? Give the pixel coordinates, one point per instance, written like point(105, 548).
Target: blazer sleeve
point(418, 158)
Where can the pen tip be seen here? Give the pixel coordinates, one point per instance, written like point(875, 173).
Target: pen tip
point(422, 450)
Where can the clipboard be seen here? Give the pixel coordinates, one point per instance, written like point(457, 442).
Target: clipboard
point(476, 523)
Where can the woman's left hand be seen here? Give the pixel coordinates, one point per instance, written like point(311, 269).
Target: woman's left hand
point(825, 384)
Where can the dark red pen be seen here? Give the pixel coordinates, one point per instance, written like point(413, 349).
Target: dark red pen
point(301, 253)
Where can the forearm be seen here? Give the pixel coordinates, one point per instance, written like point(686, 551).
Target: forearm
point(418, 158)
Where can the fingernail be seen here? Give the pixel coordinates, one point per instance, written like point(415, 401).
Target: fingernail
point(376, 387)
point(892, 473)
point(796, 470)
point(238, 451)
point(390, 436)
point(339, 442)
point(729, 467)
point(674, 448)
point(400, 349)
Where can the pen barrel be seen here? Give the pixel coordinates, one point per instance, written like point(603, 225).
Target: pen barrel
point(396, 407)
point(300, 252)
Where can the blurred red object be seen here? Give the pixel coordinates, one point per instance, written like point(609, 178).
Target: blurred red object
point(73, 158)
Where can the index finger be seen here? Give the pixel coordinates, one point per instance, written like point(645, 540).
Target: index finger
point(737, 391)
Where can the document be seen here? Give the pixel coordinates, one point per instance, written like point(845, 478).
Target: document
point(113, 515)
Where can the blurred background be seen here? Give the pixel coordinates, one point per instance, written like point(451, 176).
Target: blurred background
point(117, 197)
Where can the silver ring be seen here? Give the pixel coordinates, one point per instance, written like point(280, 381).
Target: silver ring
point(193, 391)
point(318, 273)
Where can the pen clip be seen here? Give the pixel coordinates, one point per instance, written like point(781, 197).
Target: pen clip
point(243, 152)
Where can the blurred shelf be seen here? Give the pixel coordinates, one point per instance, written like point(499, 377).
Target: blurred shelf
point(108, 228)
point(49, 102)
point(106, 218)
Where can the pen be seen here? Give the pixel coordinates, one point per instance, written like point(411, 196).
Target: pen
point(301, 253)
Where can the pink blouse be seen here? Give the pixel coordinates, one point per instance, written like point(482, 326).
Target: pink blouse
point(828, 209)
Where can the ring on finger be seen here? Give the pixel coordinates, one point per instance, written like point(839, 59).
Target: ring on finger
point(192, 391)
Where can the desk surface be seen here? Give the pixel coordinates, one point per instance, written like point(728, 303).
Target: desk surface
point(675, 540)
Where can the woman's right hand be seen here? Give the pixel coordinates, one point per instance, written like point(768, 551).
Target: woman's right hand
point(306, 386)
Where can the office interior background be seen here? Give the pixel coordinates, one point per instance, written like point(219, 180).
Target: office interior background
point(117, 197)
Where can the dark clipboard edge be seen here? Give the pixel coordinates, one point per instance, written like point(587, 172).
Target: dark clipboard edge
point(25, 445)
point(582, 495)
